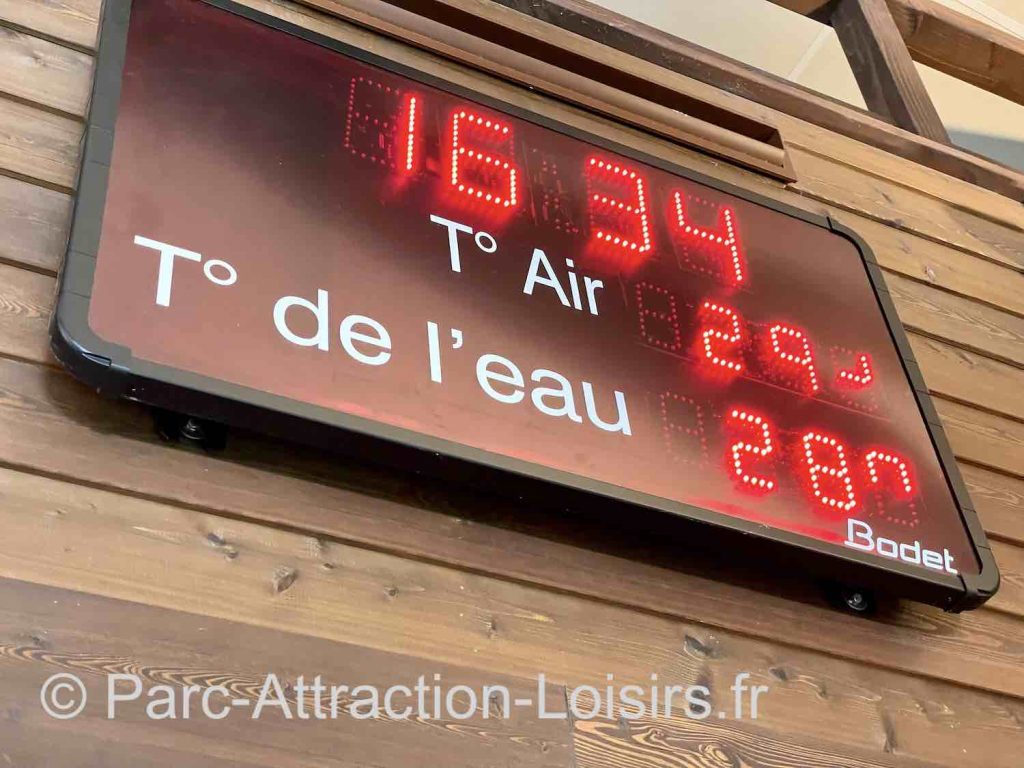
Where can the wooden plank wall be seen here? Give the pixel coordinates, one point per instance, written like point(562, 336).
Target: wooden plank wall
point(120, 552)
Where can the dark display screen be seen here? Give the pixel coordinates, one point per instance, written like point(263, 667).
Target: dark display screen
point(289, 219)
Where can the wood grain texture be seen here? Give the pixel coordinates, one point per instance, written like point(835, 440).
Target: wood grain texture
point(1010, 597)
point(72, 21)
point(34, 224)
point(969, 378)
point(57, 427)
point(947, 268)
point(999, 500)
point(948, 317)
point(44, 73)
point(900, 170)
point(25, 302)
point(983, 438)
point(44, 631)
point(905, 209)
point(38, 145)
point(881, 63)
point(681, 742)
point(961, 46)
point(184, 560)
point(42, 742)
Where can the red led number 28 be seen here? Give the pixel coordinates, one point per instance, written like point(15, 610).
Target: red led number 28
point(750, 460)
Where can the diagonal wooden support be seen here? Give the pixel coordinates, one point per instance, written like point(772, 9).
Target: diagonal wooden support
point(951, 42)
point(962, 47)
point(880, 61)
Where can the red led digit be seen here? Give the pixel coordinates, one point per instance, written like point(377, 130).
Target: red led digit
point(854, 381)
point(382, 124)
point(888, 471)
point(828, 471)
point(722, 241)
point(755, 445)
point(617, 205)
point(657, 307)
point(899, 469)
point(790, 351)
point(482, 166)
point(721, 336)
point(858, 377)
point(411, 117)
point(682, 424)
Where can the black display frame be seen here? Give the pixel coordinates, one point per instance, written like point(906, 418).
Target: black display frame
point(113, 371)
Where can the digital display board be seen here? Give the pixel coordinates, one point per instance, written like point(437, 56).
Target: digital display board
point(273, 219)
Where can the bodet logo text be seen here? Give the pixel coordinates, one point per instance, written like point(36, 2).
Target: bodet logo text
point(860, 535)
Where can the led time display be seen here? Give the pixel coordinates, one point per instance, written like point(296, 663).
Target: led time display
point(291, 220)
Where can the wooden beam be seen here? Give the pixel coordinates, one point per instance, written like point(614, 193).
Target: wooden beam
point(665, 50)
point(891, 85)
point(962, 47)
point(951, 42)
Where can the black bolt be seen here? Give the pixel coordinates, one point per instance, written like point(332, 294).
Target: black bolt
point(858, 600)
point(193, 430)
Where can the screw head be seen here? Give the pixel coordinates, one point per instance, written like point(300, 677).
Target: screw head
point(857, 600)
point(193, 430)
